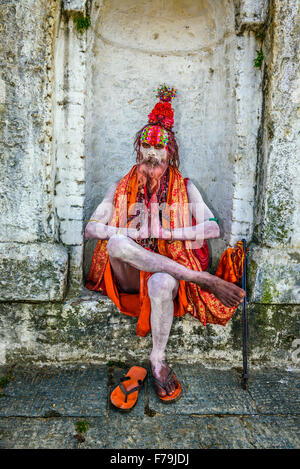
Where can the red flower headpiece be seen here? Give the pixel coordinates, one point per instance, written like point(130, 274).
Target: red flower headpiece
point(162, 113)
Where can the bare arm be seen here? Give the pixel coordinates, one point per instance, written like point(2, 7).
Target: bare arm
point(204, 228)
point(97, 226)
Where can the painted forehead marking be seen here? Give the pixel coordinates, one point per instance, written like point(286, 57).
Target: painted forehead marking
point(155, 135)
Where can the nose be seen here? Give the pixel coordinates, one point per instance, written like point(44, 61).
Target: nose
point(151, 151)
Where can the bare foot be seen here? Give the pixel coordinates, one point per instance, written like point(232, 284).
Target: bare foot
point(160, 371)
point(228, 293)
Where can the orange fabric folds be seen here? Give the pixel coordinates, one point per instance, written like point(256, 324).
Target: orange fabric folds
point(191, 298)
point(231, 264)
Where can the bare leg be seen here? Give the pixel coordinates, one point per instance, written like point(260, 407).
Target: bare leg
point(162, 289)
point(125, 249)
point(128, 276)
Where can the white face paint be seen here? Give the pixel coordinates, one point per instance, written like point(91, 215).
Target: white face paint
point(155, 155)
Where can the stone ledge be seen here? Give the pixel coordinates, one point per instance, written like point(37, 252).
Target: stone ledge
point(274, 275)
point(91, 329)
point(33, 272)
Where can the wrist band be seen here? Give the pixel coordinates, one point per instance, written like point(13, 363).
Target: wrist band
point(170, 240)
point(214, 219)
point(93, 219)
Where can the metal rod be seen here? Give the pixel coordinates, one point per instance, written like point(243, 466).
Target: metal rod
point(245, 320)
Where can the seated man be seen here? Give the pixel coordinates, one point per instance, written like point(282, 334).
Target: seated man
point(145, 261)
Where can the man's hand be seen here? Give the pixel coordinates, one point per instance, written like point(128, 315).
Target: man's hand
point(142, 233)
point(165, 234)
point(145, 232)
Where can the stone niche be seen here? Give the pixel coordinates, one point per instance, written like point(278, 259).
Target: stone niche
point(192, 45)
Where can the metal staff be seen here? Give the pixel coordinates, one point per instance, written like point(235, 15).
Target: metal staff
point(245, 319)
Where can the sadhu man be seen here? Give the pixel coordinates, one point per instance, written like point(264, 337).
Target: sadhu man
point(149, 260)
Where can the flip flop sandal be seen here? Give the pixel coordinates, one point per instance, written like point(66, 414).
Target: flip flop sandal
point(125, 396)
point(176, 394)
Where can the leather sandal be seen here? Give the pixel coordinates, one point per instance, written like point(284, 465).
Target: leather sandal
point(125, 396)
point(167, 399)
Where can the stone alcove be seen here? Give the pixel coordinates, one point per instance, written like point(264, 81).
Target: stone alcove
point(136, 45)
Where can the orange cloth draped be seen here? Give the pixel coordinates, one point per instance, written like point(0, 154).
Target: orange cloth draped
point(191, 298)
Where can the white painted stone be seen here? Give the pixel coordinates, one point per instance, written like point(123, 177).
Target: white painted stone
point(69, 141)
point(71, 231)
point(253, 11)
point(74, 5)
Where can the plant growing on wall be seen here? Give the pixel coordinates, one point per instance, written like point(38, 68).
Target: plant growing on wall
point(258, 59)
point(82, 23)
point(260, 56)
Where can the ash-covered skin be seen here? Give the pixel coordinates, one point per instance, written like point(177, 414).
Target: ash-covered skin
point(127, 258)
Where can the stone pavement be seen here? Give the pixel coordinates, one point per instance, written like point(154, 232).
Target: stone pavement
point(44, 408)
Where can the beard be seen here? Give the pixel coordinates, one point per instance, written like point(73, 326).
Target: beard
point(149, 172)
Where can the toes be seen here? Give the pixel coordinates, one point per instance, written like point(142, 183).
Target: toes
point(160, 391)
point(173, 384)
point(170, 388)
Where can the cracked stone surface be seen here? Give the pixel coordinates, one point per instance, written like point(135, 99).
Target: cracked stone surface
point(39, 408)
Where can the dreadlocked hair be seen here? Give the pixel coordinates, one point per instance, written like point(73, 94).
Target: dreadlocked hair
point(172, 146)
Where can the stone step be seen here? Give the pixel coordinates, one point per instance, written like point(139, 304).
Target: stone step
point(89, 328)
point(41, 407)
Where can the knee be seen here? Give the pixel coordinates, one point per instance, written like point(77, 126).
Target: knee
point(117, 246)
point(161, 286)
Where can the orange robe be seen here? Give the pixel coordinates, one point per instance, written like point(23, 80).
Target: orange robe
point(190, 298)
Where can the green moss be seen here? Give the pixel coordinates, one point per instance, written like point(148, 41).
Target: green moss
point(272, 327)
point(4, 381)
point(252, 268)
point(81, 426)
point(268, 290)
point(260, 35)
point(278, 224)
point(82, 23)
point(258, 59)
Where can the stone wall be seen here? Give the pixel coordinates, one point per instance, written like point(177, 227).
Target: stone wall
point(70, 105)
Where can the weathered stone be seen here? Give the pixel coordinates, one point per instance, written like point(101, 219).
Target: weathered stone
point(26, 161)
point(70, 391)
point(277, 193)
point(28, 418)
point(273, 331)
point(251, 14)
point(248, 432)
point(75, 5)
point(90, 328)
point(274, 276)
point(157, 432)
point(206, 391)
point(32, 272)
point(275, 391)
